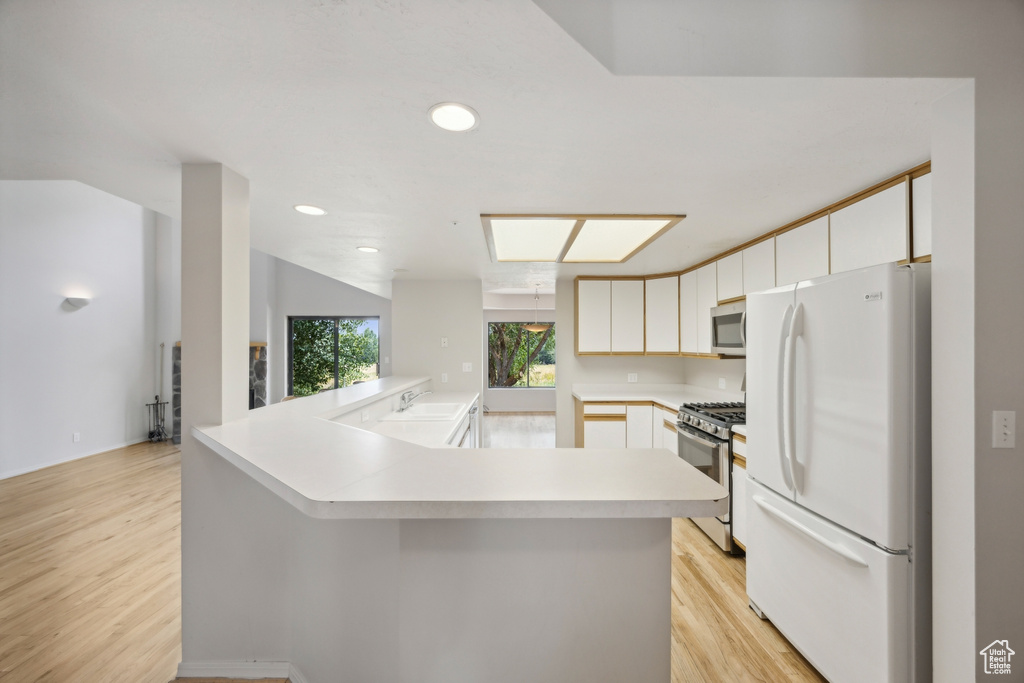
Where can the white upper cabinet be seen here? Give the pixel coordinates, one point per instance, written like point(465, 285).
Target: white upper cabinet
point(688, 312)
point(662, 304)
point(593, 316)
point(871, 231)
point(627, 316)
point(707, 298)
point(730, 276)
point(759, 266)
point(922, 212)
point(802, 253)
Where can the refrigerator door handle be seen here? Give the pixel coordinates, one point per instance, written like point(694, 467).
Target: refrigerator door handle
point(836, 548)
point(789, 392)
point(781, 414)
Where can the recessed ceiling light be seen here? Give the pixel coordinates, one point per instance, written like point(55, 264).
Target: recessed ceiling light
point(368, 250)
point(453, 116)
point(310, 210)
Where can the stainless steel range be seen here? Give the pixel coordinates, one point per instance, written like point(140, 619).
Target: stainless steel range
point(704, 430)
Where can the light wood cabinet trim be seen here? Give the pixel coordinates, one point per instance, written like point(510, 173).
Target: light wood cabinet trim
point(604, 418)
point(640, 403)
point(739, 545)
point(670, 425)
point(909, 199)
point(734, 300)
point(739, 437)
point(577, 422)
point(739, 461)
point(927, 258)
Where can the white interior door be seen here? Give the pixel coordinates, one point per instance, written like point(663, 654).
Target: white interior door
point(841, 601)
point(851, 381)
point(768, 317)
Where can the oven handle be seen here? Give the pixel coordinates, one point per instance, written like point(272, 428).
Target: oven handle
point(694, 437)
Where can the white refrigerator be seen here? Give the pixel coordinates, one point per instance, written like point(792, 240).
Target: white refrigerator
point(838, 490)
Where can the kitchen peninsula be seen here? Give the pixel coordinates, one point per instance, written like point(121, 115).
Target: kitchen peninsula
point(359, 556)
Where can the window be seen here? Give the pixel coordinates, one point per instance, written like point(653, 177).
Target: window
point(327, 353)
point(518, 357)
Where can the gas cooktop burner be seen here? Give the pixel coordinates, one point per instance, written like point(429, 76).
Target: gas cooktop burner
point(713, 418)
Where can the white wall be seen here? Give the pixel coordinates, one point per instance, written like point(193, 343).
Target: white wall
point(280, 289)
point(89, 371)
point(168, 298)
point(424, 311)
point(520, 400)
point(708, 372)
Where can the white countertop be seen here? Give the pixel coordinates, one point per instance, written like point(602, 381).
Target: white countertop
point(331, 470)
point(669, 395)
point(740, 429)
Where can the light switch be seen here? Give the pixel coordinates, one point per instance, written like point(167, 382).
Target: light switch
point(444, 342)
point(631, 377)
point(444, 376)
point(1004, 428)
point(467, 367)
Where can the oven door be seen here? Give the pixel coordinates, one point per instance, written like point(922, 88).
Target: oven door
point(707, 454)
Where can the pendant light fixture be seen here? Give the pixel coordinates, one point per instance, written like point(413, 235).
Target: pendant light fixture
point(536, 326)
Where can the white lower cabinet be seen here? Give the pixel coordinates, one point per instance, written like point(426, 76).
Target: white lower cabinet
point(604, 432)
point(738, 513)
point(670, 437)
point(639, 421)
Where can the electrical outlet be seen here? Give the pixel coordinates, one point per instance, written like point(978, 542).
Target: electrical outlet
point(387, 360)
point(76, 437)
point(721, 383)
point(467, 367)
point(444, 342)
point(364, 416)
point(444, 377)
point(1004, 428)
point(631, 377)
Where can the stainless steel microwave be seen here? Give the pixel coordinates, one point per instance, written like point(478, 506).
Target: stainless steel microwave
point(729, 329)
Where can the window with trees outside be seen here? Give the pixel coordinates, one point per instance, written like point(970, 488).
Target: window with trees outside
point(518, 357)
point(331, 352)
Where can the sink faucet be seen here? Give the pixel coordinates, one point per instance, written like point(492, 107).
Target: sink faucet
point(408, 397)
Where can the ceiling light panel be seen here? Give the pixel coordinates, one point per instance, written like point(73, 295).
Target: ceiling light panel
point(613, 241)
point(530, 239)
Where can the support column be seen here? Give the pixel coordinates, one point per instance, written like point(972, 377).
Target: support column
point(227, 523)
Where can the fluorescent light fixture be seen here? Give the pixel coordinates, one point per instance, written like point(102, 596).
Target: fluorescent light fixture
point(530, 239)
point(368, 250)
point(572, 238)
point(612, 241)
point(76, 302)
point(453, 116)
point(309, 210)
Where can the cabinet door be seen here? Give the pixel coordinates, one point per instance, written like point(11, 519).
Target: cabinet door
point(688, 312)
point(661, 301)
point(639, 420)
point(871, 231)
point(627, 316)
point(670, 438)
point(730, 276)
point(802, 253)
point(707, 298)
point(593, 316)
point(922, 215)
point(759, 266)
point(604, 432)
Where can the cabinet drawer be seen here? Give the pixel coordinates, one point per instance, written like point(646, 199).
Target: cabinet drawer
point(739, 445)
point(604, 409)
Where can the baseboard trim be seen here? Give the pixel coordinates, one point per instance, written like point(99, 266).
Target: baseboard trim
point(295, 676)
point(42, 466)
point(247, 670)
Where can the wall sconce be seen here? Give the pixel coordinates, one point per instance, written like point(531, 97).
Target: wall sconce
point(73, 303)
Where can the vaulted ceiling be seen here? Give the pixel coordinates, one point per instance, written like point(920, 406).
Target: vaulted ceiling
point(325, 102)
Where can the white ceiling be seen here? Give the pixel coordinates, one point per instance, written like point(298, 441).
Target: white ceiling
point(325, 102)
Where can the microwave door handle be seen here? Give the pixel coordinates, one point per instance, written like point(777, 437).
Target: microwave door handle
point(780, 402)
point(743, 329)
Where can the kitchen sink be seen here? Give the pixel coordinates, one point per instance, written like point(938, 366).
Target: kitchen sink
point(424, 412)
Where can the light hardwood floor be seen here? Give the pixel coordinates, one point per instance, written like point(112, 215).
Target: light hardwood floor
point(90, 582)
